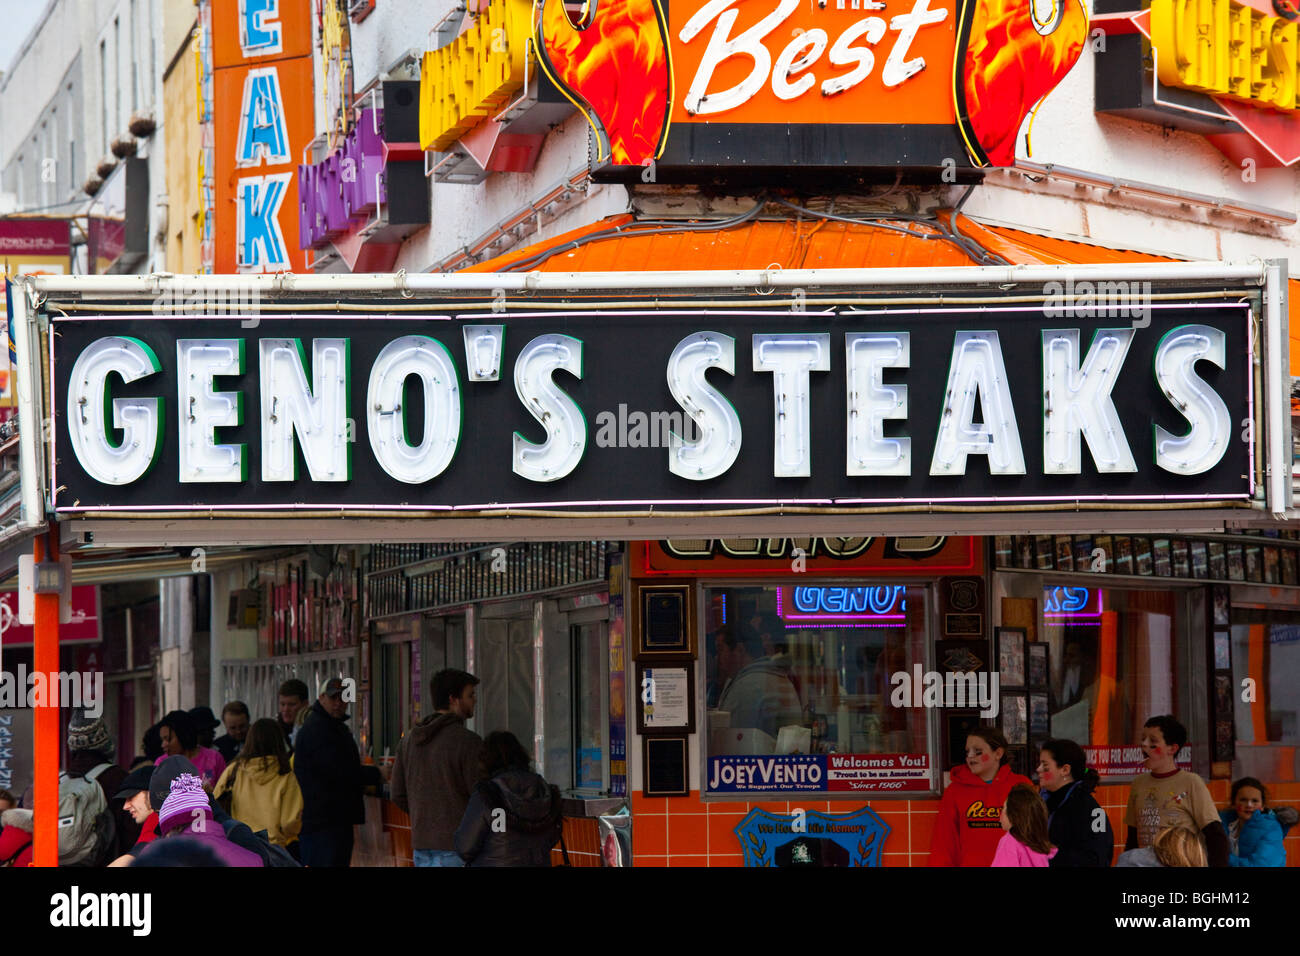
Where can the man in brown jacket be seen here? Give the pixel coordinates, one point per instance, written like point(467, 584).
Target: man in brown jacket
point(437, 767)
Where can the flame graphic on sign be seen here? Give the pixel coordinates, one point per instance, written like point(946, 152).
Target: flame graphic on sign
point(1010, 54)
point(615, 68)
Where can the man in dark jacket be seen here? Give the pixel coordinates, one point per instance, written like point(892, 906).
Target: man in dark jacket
point(235, 717)
point(328, 767)
point(437, 767)
point(91, 746)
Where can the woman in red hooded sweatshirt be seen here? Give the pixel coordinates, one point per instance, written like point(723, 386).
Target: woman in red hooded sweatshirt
point(969, 825)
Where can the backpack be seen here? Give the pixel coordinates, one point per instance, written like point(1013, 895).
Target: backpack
point(87, 827)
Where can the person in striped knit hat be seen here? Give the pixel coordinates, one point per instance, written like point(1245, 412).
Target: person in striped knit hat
point(187, 812)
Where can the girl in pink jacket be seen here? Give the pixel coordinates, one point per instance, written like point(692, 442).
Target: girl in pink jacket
point(1025, 842)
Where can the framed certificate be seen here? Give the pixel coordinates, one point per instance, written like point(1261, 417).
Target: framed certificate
point(665, 695)
point(663, 767)
point(1011, 656)
point(665, 621)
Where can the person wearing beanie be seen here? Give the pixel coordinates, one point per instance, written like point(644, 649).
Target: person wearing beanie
point(187, 812)
point(90, 747)
point(180, 737)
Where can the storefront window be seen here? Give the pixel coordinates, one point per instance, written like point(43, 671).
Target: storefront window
point(1116, 658)
point(1265, 650)
point(589, 651)
point(802, 673)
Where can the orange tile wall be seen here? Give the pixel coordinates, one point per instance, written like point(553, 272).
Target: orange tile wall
point(684, 831)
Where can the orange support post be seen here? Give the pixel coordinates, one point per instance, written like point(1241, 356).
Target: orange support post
point(45, 849)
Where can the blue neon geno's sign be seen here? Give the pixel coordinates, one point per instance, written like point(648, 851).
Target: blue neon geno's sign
point(850, 600)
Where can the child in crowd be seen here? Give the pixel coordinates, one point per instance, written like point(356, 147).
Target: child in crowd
point(1168, 797)
point(966, 832)
point(1025, 842)
point(1173, 846)
point(1255, 832)
point(7, 801)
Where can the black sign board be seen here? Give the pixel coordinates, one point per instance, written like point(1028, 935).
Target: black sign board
point(629, 410)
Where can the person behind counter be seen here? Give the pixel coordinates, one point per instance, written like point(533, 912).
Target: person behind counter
point(969, 827)
point(1255, 833)
point(759, 691)
point(1024, 820)
point(1073, 814)
point(1168, 797)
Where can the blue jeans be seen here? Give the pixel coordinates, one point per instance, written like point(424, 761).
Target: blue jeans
point(437, 858)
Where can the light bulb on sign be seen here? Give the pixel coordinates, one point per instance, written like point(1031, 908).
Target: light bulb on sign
point(871, 402)
point(566, 428)
point(791, 357)
point(317, 412)
point(715, 418)
point(203, 410)
point(89, 410)
point(977, 368)
point(386, 415)
point(483, 347)
point(1206, 442)
point(1078, 402)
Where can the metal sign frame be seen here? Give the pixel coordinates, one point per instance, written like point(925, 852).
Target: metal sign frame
point(513, 294)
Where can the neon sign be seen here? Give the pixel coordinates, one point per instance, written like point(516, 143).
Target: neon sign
point(841, 606)
point(1067, 603)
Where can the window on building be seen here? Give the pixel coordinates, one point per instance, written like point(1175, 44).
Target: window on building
point(103, 93)
point(134, 27)
point(117, 78)
point(1115, 658)
point(1265, 648)
point(807, 669)
point(589, 649)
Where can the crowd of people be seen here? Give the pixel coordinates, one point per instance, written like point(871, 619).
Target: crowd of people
point(287, 791)
point(992, 816)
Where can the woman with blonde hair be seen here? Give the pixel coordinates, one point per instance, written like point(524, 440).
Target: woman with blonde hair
point(261, 787)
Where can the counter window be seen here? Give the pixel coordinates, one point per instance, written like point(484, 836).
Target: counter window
point(1116, 659)
point(802, 673)
point(1266, 649)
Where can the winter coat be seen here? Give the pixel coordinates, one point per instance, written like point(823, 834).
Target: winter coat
point(264, 798)
point(438, 765)
point(228, 747)
point(328, 767)
point(523, 835)
point(209, 763)
point(1260, 840)
point(202, 825)
point(16, 837)
point(1011, 852)
point(126, 831)
point(762, 696)
point(1071, 812)
point(968, 828)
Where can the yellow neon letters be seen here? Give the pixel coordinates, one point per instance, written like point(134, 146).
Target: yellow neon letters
point(1226, 48)
point(475, 75)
